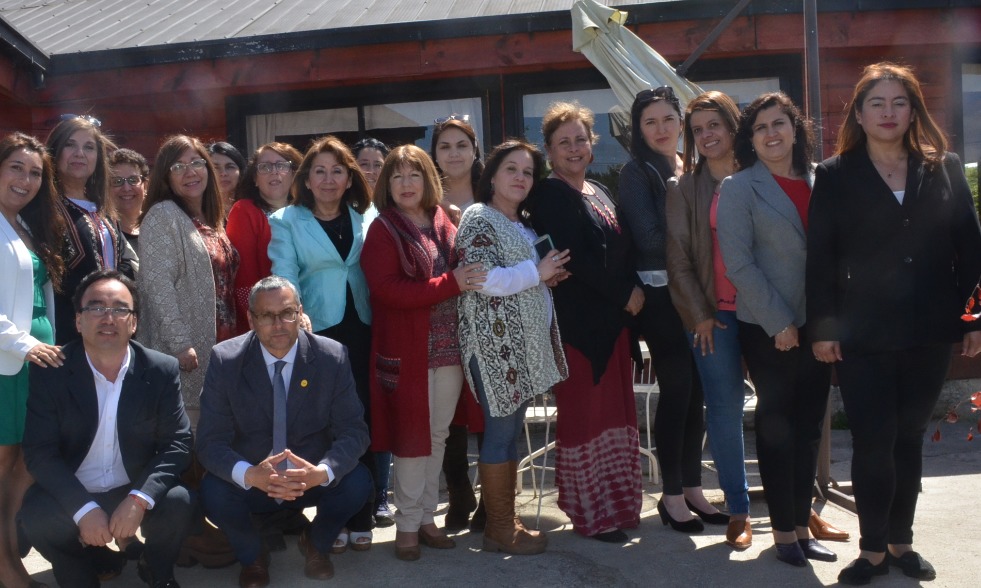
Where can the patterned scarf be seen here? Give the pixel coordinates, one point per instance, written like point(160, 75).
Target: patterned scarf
point(416, 253)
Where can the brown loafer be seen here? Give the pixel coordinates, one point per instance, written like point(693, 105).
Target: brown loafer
point(822, 530)
point(739, 534)
point(318, 565)
point(407, 552)
point(256, 574)
point(436, 541)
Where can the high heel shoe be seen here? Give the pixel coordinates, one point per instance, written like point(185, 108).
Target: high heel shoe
point(712, 518)
point(689, 526)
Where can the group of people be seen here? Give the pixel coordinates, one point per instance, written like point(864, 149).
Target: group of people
point(320, 320)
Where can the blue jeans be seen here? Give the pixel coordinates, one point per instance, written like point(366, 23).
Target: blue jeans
point(500, 433)
point(722, 381)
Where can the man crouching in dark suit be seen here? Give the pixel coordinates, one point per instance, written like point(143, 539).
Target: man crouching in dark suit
point(106, 440)
point(281, 428)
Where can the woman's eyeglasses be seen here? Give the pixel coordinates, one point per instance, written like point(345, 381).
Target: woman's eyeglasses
point(280, 167)
point(117, 182)
point(180, 168)
point(464, 118)
point(659, 93)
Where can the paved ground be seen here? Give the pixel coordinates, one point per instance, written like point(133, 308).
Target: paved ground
point(946, 534)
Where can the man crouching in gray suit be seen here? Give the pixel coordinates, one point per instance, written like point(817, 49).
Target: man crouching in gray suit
point(106, 440)
point(281, 427)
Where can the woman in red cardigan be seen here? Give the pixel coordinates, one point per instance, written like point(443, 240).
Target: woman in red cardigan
point(265, 189)
point(408, 261)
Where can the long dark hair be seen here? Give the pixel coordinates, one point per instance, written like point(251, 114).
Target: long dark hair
point(638, 146)
point(97, 185)
point(159, 189)
point(46, 224)
point(713, 101)
point(463, 124)
point(358, 196)
point(923, 137)
point(803, 149)
point(485, 189)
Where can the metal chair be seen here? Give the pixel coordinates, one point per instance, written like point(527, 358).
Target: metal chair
point(645, 384)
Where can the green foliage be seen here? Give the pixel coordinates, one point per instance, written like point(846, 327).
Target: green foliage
point(972, 180)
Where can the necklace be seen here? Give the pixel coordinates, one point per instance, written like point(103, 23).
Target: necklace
point(330, 226)
point(605, 213)
point(889, 171)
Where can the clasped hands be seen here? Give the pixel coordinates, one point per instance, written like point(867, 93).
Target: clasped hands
point(98, 529)
point(288, 484)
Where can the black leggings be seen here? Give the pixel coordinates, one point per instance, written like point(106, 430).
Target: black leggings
point(679, 423)
point(791, 398)
point(889, 399)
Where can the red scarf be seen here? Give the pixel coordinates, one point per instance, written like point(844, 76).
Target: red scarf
point(416, 253)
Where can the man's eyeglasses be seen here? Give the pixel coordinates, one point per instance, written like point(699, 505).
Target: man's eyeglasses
point(280, 167)
point(464, 118)
point(180, 168)
point(117, 182)
point(91, 119)
point(267, 319)
point(101, 311)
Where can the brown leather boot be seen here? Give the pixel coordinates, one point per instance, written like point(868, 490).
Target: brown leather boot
point(502, 533)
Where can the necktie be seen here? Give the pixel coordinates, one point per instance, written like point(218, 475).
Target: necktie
point(279, 412)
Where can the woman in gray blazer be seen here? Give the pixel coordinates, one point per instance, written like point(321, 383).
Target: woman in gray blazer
point(762, 228)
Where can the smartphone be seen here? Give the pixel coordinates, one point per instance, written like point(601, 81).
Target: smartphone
point(543, 245)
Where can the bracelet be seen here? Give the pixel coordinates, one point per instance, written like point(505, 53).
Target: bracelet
point(785, 329)
point(138, 501)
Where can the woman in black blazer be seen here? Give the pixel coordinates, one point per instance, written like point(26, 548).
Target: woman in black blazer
point(894, 251)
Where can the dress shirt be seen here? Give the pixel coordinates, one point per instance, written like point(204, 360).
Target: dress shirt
point(102, 469)
point(238, 472)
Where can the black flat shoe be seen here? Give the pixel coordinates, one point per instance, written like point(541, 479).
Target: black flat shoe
point(792, 554)
point(814, 550)
point(689, 526)
point(712, 518)
point(861, 571)
point(614, 536)
point(913, 565)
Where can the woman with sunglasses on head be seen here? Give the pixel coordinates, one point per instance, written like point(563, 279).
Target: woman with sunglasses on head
point(31, 229)
point(410, 265)
point(187, 274)
point(597, 469)
point(230, 165)
point(656, 124)
point(762, 230)
point(265, 189)
point(704, 297)
point(316, 245)
point(127, 189)
point(894, 251)
point(92, 240)
point(508, 367)
point(456, 153)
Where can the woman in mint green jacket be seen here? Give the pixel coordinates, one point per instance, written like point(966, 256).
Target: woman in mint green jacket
point(316, 244)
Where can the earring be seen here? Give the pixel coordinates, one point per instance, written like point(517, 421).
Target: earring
point(492, 188)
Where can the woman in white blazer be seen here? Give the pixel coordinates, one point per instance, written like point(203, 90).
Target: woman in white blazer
point(30, 265)
point(762, 231)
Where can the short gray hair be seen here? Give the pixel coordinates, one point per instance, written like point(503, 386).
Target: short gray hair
point(272, 283)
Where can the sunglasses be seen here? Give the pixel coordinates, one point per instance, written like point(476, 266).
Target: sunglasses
point(91, 119)
point(659, 93)
point(464, 118)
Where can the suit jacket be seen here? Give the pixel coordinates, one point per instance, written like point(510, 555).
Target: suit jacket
point(62, 419)
point(764, 247)
point(17, 300)
point(325, 420)
point(883, 275)
point(302, 253)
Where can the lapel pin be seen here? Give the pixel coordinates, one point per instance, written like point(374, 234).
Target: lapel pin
point(303, 383)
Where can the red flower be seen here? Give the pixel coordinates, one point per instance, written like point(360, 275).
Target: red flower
point(936, 435)
point(970, 435)
point(976, 399)
point(951, 417)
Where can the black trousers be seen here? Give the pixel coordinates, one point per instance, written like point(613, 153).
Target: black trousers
point(791, 398)
point(357, 337)
point(679, 423)
point(55, 534)
point(889, 399)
